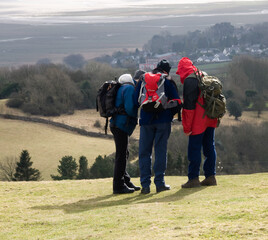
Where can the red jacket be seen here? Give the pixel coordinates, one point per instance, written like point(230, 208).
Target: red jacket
point(193, 118)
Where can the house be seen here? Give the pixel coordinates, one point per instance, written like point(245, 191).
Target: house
point(220, 57)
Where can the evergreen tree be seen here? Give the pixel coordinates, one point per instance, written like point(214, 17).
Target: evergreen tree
point(24, 172)
point(67, 168)
point(83, 172)
point(234, 109)
point(102, 167)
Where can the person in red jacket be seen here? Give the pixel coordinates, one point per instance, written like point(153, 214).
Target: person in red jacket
point(199, 128)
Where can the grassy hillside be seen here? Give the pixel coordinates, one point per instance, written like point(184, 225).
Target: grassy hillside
point(47, 144)
point(235, 209)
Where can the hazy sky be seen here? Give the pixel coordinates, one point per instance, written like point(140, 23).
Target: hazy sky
point(53, 6)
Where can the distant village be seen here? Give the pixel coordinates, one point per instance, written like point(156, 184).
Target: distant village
point(218, 43)
point(147, 61)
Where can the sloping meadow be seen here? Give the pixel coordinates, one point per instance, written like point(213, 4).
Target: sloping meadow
point(86, 209)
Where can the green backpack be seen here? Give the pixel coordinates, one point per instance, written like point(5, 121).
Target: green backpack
point(214, 100)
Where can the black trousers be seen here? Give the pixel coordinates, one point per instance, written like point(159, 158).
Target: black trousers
point(121, 146)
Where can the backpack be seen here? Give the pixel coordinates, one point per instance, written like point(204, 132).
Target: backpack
point(214, 101)
point(152, 97)
point(105, 101)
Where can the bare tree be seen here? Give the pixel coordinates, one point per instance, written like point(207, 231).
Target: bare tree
point(8, 168)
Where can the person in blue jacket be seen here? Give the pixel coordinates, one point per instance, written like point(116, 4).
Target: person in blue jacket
point(155, 129)
point(122, 126)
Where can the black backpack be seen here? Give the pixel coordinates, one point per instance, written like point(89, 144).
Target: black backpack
point(105, 101)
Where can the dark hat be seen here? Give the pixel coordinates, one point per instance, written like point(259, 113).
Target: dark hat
point(164, 65)
point(138, 73)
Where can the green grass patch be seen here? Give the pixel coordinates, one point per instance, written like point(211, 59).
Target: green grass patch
point(213, 68)
point(86, 209)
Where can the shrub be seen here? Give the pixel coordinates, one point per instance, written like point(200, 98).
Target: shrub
point(83, 172)
point(234, 109)
point(97, 124)
point(15, 102)
point(102, 167)
point(67, 169)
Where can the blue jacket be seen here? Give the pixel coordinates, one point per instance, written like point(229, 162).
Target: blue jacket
point(147, 118)
point(125, 97)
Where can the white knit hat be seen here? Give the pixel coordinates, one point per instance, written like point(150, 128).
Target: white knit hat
point(126, 78)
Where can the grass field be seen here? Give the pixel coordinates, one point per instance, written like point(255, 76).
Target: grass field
point(47, 144)
point(86, 209)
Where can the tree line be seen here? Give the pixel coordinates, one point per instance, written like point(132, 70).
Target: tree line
point(51, 90)
point(218, 36)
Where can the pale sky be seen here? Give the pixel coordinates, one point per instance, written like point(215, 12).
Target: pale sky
point(53, 6)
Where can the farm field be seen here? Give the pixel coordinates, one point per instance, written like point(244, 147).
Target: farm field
point(87, 209)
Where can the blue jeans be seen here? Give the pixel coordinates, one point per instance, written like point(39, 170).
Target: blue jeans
point(196, 142)
point(158, 135)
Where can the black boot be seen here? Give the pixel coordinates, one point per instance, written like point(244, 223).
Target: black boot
point(123, 190)
point(131, 185)
point(162, 188)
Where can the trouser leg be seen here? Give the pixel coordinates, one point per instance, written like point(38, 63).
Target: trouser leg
point(194, 155)
point(121, 144)
point(209, 152)
point(147, 133)
point(160, 147)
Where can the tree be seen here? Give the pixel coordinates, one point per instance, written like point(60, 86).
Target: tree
point(8, 168)
point(42, 61)
point(102, 167)
point(24, 172)
point(83, 172)
point(259, 105)
point(67, 168)
point(234, 109)
point(74, 61)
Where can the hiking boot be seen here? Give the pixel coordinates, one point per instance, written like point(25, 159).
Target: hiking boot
point(192, 183)
point(131, 185)
point(124, 190)
point(162, 188)
point(209, 181)
point(145, 190)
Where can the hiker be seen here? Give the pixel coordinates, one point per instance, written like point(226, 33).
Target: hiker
point(198, 127)
point(137, 75)
point(155, 128)
point(122, 126)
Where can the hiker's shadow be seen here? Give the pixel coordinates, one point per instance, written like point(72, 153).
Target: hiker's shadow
point(117, 200)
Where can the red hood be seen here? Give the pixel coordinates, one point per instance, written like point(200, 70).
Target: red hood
point(185, 68)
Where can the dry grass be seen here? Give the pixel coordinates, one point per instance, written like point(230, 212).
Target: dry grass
point(47, 144)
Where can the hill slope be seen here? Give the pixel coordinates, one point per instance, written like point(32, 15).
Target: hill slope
point(235, 209)
point(47, 144)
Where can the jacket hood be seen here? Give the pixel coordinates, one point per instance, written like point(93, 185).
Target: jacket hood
point(126, 78)
point(185, 68)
